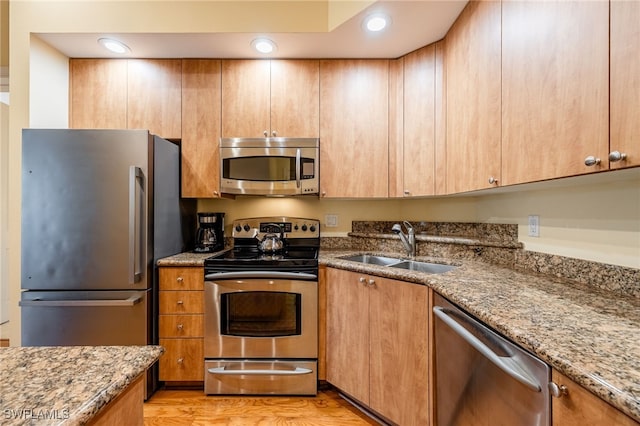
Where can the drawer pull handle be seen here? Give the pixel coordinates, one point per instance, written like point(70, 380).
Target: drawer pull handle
point(180, 279)
point(295, 372)
point(180, 327)
point(180, 302)
point(180, 360)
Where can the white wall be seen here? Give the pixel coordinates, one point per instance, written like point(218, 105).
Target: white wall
point(49, 83)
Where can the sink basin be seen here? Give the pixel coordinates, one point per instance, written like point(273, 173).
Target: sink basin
point(392, 262)
point(372, 260)
point(430, 268)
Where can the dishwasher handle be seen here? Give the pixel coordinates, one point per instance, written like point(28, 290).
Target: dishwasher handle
point(507, 364)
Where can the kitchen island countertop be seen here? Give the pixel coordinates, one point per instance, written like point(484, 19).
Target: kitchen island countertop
point(66, 385)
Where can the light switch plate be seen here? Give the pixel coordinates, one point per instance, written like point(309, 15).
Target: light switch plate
point(331, 220)
point(534, 225)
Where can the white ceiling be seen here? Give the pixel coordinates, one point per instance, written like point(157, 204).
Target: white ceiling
point(414, 24)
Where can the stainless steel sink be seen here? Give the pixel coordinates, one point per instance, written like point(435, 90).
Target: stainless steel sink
point(391, 262)
point(430, 268)
point(372, 260)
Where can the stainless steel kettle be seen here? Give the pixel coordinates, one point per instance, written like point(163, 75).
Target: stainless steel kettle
point(271, 242)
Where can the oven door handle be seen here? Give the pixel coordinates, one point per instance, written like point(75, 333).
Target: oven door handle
point(298, 167)
point(296, 372)
point(260, 274)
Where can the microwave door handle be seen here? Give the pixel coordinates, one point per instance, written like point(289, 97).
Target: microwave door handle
point(298, 168)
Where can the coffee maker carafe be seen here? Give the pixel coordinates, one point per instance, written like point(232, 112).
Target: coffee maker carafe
point(210, 234)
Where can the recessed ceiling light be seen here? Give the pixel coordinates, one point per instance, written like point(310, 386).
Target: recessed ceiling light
point(114, 45)
point(264, 45)
point(377, 22)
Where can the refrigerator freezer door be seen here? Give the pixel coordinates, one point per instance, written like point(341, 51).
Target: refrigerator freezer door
point(85, 209)
point(72, 318)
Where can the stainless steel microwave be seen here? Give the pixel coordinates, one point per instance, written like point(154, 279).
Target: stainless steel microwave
point(269, 166)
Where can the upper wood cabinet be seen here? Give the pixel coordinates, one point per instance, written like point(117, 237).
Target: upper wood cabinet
point(154, 96)
point(97, 94)
point(201, 122)
point(472, 63)
point(625, 84)
point(418, 170)
point(579, 407)
point(270, 98)
point(354, 154)
point(555, 89)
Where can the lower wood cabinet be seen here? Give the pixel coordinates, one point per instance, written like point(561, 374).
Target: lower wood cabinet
point(579, 407)
point(377, 344)
point(181, 324)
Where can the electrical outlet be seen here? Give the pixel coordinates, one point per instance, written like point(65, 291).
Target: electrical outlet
point(534, 225)
point(331, 220)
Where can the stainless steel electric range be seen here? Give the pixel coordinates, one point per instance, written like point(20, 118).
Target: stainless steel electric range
point(261, 309)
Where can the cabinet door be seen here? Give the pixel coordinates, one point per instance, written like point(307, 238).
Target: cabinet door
point(625, 82)
point(182, 360)
point(201, 114)
point(580, 407)
point(555, 63)
point(348, 333)
point(399, 351)
point(472, 61)
point(354, 128)
point(419, 122)
point(98, 94)
point(154, 96)
point(245, 98)
point(295, 98)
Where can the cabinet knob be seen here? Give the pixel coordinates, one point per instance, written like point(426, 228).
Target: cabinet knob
point(180, 327)
point(274, 133)
point(372, 282)
point(180, 360)
point(324, 193)
point(492, 180)
point(362, 280)
point(180, 279)
point(180, 302)
point(265, 133)
point(556, 390)
point(215, 193)
point(591, 161)
point(407, 192)
point(615, 156)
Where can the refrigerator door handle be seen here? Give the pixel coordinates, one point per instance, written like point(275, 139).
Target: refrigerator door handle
point(135, 226)
point(133, 300)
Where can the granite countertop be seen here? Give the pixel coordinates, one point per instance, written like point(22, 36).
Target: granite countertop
point(589, 335)
point(66, 385)
point(187, 259)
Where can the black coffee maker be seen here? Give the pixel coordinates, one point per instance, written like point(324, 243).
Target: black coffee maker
point(210, 233)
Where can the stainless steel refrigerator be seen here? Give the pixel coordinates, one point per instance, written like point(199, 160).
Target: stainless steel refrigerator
point(99, 207)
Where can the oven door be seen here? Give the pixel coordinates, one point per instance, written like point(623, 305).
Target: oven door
point(261, 318)
point(269, 171)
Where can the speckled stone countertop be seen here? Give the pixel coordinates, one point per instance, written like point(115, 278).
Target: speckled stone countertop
point(186, 259)
point(66, 385)
point(589, 335)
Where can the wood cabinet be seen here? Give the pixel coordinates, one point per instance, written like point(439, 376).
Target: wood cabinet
point(377, 344)
point(625, 83)
point(579, 407)
point(127, 408)
point(270, 98)
point(154, 96)
point(126, 94)
point(354, 149)
point(555, 89)
point(201, 128)
point(181, 324)
point(419, 122)
point(97, 94)
point(472, 63)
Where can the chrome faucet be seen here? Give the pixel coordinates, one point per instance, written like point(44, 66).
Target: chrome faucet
point(408, 239)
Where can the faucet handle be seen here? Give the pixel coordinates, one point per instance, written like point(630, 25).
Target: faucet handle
point(408, 226)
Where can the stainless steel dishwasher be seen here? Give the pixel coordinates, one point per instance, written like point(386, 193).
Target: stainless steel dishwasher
point(482, 379)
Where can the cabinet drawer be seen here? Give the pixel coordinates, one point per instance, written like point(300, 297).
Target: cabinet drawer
point(181, 302)
point(181, 326)
point(183, 360)
point(181, 278)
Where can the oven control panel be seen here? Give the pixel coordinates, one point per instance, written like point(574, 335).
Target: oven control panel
point(291, 227)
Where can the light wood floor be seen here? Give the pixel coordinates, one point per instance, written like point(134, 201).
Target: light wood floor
point(193, 407)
